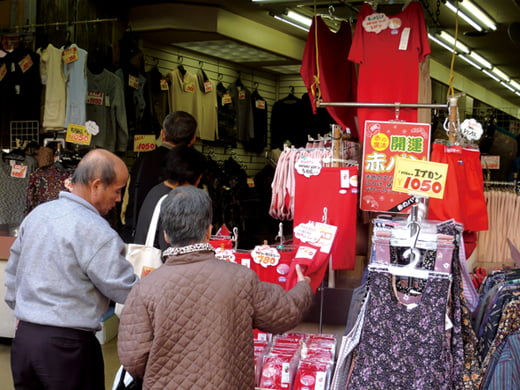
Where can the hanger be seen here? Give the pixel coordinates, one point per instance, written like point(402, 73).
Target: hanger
point(180, 67)
point(68, 42)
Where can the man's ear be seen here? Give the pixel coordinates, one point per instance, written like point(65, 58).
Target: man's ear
point(95, 184)
point(163, 135)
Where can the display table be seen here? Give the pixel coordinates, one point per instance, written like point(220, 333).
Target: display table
point(7, 320)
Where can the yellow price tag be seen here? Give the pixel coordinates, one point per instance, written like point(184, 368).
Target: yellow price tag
point(420, 177)
point(77, 134)
point(144, 142)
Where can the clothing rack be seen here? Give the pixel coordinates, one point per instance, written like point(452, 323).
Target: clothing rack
point(57, 24)
point(451, 106)
point(381, 105)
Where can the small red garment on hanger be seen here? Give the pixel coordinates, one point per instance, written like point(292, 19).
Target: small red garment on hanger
point(337, 75)
point(278, 273)
point(335, 189)
point(313, 262)
point(464, 199)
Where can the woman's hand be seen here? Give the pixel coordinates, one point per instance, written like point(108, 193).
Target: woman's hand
point(301, 276)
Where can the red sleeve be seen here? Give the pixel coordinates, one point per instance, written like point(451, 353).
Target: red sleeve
point(356, 49)
point(423, 42)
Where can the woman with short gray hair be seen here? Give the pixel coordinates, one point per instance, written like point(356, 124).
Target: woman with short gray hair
point(186, 214)
point(189, 324)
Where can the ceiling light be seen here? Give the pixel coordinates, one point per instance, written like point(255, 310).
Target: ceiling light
point(298, 18)
point(439, 42)
point(508, 86)
point(491, 75)
point(481, 60)
point(294, 19)
point(284, 19)
point(473, 15)
point(515, 84)
point(480, 15)
point(451, 41)
point(470, 62)
point(500, 74)
point(465, 17)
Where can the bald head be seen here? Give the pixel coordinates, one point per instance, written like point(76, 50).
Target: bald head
point(99, 178)
point(98, 164)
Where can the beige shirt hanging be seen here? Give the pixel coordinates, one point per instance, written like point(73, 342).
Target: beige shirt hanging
point(52, 76)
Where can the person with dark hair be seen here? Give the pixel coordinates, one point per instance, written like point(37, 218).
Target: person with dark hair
point(64, 268)
point(189, 324)
point(179, 128)
point(184, 166)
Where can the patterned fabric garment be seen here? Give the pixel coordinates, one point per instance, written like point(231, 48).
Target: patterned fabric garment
point(509, 324)
point(403, 348)
point(45, 184)
point(506, 371)
point(490, 326)
point(467, 373)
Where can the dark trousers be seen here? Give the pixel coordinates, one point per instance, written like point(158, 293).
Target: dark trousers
point(52, 358)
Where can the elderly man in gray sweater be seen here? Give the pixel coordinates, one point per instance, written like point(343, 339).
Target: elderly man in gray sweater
point(65, 266)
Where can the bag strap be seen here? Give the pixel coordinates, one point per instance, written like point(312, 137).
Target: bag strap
point(121, 385)
point(150, 236)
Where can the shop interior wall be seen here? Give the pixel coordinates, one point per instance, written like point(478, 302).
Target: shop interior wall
point(271, 87)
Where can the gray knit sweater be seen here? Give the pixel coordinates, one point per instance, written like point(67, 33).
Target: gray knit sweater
point(65, 266)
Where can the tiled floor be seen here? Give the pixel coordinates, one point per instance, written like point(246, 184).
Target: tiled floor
point(112, 361)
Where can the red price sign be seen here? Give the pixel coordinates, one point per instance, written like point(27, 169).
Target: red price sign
point(144, 142)
point(265, 256)
point(420, 177)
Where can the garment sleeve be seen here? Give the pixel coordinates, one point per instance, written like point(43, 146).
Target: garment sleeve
point(110, 272)
point(277, 310)
point(422, 34)
point(120, 114)
point(356, 49)
point(135, 337)
point(10, 273)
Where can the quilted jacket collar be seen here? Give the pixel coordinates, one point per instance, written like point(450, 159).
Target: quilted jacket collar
point(187, 258)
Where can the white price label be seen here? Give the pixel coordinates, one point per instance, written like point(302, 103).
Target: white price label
point(471, 129)
point(265, 256)
point(225, 254)
point(308, 167)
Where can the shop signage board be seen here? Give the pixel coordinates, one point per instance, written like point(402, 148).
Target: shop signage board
point(423, 178)
point(384, 142)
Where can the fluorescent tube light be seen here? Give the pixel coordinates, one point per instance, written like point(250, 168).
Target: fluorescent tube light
point(451, 41)
point(299, 18)
point(508, 86)
point(491, 75)
point(470, 62)
point(515, 84)
point(500, 74)
point(481, 60)
point(441, 43)
point(480, 15)
point(282, 18)
point(465, 17)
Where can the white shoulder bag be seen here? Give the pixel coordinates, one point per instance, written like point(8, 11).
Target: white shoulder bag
point(145, 258)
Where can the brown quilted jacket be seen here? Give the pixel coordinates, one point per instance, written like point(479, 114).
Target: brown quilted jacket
point(188, 325)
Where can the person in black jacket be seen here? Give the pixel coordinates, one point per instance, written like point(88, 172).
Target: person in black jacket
point(178, 129)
